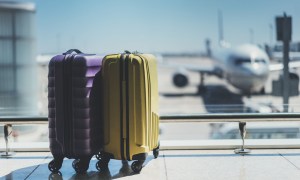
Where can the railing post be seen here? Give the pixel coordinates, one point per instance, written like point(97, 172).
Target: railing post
point(8, 131)
point(242, 150)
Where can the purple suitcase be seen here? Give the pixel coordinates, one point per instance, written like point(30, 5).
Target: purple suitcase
point(73, 118)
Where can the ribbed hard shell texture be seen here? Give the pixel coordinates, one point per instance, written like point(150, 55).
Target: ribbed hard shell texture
point(85, 113)
point(134, 101)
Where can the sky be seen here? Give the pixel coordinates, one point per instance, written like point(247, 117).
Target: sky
point(156, 26)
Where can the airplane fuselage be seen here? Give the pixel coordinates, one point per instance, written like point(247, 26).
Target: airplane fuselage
point(245, 67)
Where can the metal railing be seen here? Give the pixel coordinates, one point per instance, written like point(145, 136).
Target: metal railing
point(170, 118)
point(23, 120)
point(245, 117)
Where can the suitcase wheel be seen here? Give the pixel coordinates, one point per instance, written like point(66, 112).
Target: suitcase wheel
point(102, 165)
point(104, 159)
point(137, 166)
point(102, 156)
point(156, 151)
point(55, 165)
point(53, 176)
point(75, 162)
point(80, 166)
point(98, 156)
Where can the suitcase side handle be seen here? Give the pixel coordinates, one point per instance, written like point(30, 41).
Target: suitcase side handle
point(73, 50)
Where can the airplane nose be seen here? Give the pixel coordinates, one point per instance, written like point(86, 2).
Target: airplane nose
point(258, 71)
point(259, 77)
point(251, 78)
point(260, 74)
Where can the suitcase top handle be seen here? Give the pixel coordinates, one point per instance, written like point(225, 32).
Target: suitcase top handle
point(127, 52)
point(72, 51)
point(134, 52)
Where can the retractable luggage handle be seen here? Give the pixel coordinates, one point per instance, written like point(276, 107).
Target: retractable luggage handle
point(71, 51)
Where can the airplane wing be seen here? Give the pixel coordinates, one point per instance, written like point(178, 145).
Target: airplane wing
point(279, 66)
point(211, 70)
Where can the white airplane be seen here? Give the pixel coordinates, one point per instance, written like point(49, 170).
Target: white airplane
point(246, 67)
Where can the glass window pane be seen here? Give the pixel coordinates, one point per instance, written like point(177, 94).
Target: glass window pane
point(6, 24)
point(6, 52)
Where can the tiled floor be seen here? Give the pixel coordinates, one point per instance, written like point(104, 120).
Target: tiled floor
point(281, 164)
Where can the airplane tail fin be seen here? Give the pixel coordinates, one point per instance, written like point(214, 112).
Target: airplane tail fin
point(222, 42)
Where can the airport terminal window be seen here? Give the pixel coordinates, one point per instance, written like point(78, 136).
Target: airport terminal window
point(31, 35)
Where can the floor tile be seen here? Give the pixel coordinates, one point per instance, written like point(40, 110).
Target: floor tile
point(21, 165)
point(291, 155)
point(215, 165)
point(170, 165)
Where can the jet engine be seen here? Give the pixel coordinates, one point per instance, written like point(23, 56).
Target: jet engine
point(180, 79)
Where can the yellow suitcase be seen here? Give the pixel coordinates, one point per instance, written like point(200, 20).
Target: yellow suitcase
point(130, 109)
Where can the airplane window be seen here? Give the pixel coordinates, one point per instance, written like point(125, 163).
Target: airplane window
point(260, 61)
point(241, 61)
